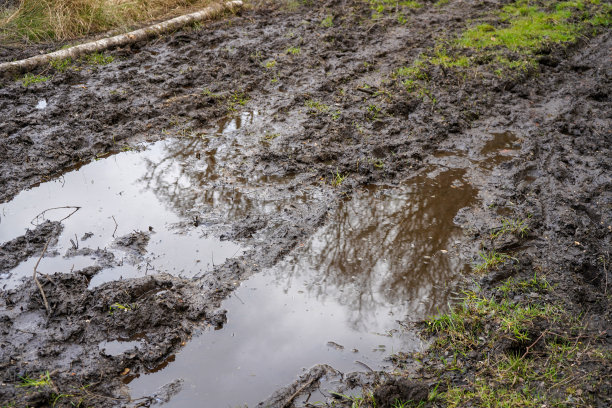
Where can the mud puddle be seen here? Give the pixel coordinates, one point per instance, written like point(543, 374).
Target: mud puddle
point(140, 212)
point(386, 255)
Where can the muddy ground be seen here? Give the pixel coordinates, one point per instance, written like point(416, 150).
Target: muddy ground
point(331, 109)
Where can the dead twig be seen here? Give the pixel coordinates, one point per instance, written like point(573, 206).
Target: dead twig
point(76, 208)
point(527, 351)
point(605, 271)
point(366, 90)
point(288, 403)
point(42, 292)
point(116, 225)
point(364, 365)
point(75, 244)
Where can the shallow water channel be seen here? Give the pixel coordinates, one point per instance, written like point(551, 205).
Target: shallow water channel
point(386, 255)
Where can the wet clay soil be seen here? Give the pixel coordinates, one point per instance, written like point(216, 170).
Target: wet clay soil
point(216, 255)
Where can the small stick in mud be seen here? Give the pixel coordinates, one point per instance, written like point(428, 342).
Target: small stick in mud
point(76, 208)
point(75, 244)
point(238, 297)
point(527, 350)
point(116, 225)
point(606, 272)
point(42, 292)
point(364, 365)
point(289, 402)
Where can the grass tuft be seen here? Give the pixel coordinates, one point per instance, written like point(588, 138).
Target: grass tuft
point(293, 50)
point(328, 21)
point(29, 79)
point(61, 65)
point(43, 380)
point(380, 8)
point(489, 261)
point(99, 59)
point(337, 179)
point(512, 226)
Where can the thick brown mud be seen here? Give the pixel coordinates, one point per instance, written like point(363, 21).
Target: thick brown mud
point(256, 224)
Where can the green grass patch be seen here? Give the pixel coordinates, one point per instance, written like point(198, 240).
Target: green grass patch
point(61, 65)
point(237, 99)
point(268, 137)
point(319, 108)
point(528, 27)
point(380, 8)
point(528, 353)
point(506, 44)
point(99, 59)
point(44, 380)
point(328, 21)
point(118, 307)
point(490, 260)
point(316, 107)
point(293, 50)
point(337, 179)
point(414, 71)
point(519, 227)
point(373, 111)
point(29, 79)
point(442, 58)
point(480, 321)
point(270, 64)
point(537, 284)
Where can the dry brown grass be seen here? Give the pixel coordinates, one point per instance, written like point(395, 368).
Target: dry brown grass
point(48, 20)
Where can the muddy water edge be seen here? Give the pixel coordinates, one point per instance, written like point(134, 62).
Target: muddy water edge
point(316, 202)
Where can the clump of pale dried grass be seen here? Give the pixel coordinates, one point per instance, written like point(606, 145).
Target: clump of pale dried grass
point(44, 20)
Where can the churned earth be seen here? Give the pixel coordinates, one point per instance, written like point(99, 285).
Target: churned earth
point(409, 201)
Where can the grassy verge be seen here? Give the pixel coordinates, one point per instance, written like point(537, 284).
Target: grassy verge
point(507, 44)
point(525, 352)
point(47, 20)
point(508, 347)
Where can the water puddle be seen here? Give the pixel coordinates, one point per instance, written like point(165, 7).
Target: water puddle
point(502, 147)
point(118, 347)
point(502, 143)
point(384, 256)
point(174, 192)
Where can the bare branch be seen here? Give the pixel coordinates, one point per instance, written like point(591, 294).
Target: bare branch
point(42, 292)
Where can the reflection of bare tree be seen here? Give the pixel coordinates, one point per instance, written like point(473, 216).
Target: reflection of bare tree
point(383, 254)
point(183, 179)
point(185, 173)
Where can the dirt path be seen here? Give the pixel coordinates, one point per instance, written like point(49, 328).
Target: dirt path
point(334, 117)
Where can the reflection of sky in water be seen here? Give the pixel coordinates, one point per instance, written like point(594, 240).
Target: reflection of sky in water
point(376, 261)
point(272, 333)
point(152, 188)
